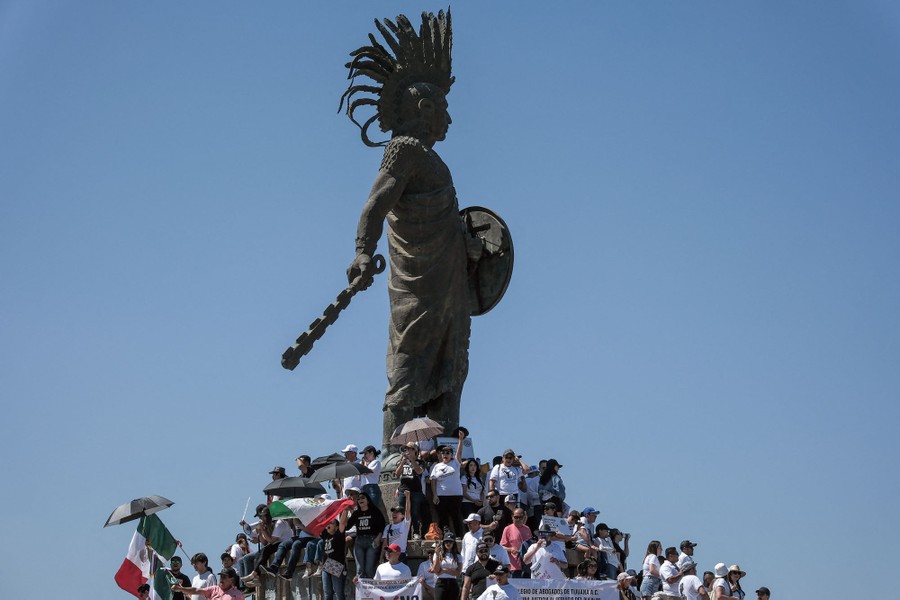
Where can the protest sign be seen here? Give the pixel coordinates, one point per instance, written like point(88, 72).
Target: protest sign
point(557, 524)
point(401, 589)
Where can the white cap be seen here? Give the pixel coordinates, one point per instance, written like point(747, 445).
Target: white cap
point(351, 448)
point(472, 517)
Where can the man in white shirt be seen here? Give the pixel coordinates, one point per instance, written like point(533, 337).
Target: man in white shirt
point(397, 529)
point(507, 477)
point(670, 575)
point(351, 452)
point(503, 589)
point(690, 586)
point(393, 568)
point(497, 551)
point(687, 553)
point(547, 559)
point(470, 540)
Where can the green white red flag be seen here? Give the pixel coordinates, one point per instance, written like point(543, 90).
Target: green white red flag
point(135, 569)
point(315, 513)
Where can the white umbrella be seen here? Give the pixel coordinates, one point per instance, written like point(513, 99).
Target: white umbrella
point(416, 430)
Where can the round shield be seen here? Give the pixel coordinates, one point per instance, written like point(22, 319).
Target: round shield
point(488, 276)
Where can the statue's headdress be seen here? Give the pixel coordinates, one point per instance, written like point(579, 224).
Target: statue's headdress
point(422, 58)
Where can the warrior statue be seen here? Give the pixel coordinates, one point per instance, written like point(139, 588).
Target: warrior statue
point(432, 252)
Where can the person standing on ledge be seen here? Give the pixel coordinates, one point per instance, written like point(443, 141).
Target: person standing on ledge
point(428, 348)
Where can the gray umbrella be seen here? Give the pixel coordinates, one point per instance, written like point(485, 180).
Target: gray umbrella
point(321, 461)
point(339, 471)
point(294, 487)
point(137, 508)
point(416, 430)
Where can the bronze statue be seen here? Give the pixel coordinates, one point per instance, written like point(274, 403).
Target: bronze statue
point(445, 265)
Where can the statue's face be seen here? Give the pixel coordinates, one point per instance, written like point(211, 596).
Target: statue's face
point(440, 119)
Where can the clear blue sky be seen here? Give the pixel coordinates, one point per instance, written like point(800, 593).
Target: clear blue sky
point(703, 325)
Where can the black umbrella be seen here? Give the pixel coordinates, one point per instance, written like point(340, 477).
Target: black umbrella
point(137, 508)
point(339, 471)
point(327, 460)
point(294, 487)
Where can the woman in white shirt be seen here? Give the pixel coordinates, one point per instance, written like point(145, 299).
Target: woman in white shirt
point(369, 481)
point(651, 582)
point(447, 565)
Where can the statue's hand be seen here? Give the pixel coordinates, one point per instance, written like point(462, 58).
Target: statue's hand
point(361, 271)
point(474, 247)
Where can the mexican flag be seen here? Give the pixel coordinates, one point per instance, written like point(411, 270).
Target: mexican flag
point(135, 569)
point(315, 513)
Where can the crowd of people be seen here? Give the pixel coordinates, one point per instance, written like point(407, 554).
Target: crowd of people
point(482, 525)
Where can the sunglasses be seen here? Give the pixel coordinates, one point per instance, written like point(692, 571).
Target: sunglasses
point(518, 517)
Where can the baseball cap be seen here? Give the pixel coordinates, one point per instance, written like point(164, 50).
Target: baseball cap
point(589, 510)
point(351, 448)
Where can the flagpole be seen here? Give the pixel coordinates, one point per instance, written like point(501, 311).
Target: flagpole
point(246, 506)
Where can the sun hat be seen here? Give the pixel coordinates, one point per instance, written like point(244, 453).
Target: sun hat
point(736, 569)
point(721, 570)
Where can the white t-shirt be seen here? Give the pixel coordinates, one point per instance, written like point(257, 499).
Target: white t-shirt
point(386, 571)
point(397, 533)
point(500, 554)
point(236, 552)
point(665, 571)
point(282, 530)
point(447, 476)
point(541, 565)
point(689, 587)
point(200, 582)
point(650, 559)
point(469, 543)
point(374, 476)
point(720, 583)
point(501, 592)
point(430, 579)
point(506, 479)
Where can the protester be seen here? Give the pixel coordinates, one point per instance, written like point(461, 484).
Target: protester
point(370, 480)
point(369, 523)
point(546, 558)
point(687, 552)
point(143, 591)
point(392, 568)
point(205, 577)
point(497, 551)
point(550, 484)
point(722, 584)
point(477, 574)
point(609, 560)
point(304, 465)
point(472, 487)
point(447, 566)
point(651, 582)
point(397, 529)
point(494, 516)
point(762, 593)
point(471, 539)
point(690, 587)
point(620, 547)
point(425, 575)
point(623, 585)
point(586, 569)
point(512, 539)
point(508, 477)
point(335, 556)
point(350, 452)
point(533, 505)
point(446, 488)
point(268, 532)
point(410, 470)
point(502, 586)
point(734, 576)
point(240, 548)
point(669, 573)
point(226, 590)
point(175, 569)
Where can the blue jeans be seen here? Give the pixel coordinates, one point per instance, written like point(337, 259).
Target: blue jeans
point(332, 586)
point(297, 549)
point(374, 492)
point(245, 564)
point(315, 552)
point(366, 556)
point(283, 548)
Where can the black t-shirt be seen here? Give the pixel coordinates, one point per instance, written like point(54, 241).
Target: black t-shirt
point(478, 575)
point(183, 580)
point(335, 546)
point(487, 513)
point(408, 478)
point(367, 522)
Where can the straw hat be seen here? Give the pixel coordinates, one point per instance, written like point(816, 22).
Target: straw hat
point(736, 569)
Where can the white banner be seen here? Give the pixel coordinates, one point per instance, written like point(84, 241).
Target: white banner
point(402, 589)
point(565, 589)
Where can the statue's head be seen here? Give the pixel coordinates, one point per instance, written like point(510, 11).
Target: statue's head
point(423, 113)
point(410, 78)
